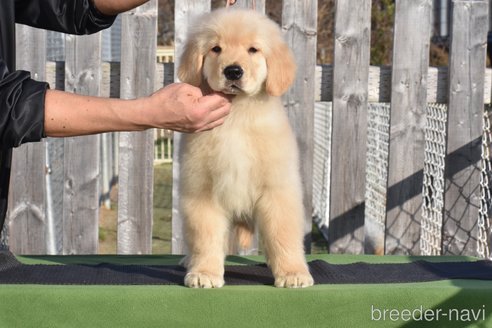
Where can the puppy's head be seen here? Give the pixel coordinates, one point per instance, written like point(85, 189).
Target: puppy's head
point(237, 52)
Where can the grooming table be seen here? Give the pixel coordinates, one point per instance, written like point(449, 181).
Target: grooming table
point(445, 302)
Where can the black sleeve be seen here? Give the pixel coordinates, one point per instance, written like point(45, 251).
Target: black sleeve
point(22, 105)
point(68, 16)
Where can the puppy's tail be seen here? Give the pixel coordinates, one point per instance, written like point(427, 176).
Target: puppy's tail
point(243, 237)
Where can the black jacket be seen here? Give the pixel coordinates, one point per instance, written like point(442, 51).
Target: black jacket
point(21, 98)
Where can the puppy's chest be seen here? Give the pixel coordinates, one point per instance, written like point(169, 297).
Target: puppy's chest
point(235, 168)
point(235, 159)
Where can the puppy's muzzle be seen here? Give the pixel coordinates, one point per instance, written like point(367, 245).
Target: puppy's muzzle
point(233, 72)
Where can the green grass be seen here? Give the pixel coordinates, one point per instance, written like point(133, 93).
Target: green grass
point(162, 230)
point(162, 225)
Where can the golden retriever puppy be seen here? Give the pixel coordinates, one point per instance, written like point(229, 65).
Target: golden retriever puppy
point(244, 174)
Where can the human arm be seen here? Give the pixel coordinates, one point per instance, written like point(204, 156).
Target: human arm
point(178, 107)
point(30, 112)
point(114, 7)
point(21, 107)
point(74, 16)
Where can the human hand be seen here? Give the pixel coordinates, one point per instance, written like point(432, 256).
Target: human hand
point(184, 108)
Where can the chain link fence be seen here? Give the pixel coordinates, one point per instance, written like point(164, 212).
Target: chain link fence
point(433, 189)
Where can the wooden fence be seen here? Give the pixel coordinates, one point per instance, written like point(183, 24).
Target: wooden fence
point(67, 216)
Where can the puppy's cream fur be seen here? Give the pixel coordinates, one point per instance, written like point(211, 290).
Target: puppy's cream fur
point(245, 173)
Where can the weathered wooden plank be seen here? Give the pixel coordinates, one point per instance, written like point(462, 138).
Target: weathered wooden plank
point(258, 5)
point(28, 224)
point(185, 12)
point(81, 154)
point(462, 188)
point(408, 107)
point(349, 128)
point(136, 153)
point(299, 24)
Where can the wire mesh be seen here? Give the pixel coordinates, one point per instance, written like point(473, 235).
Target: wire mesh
point(378, 124)
point(433, 182)
point(433, 189)
point(484, 226)
point(321, 169)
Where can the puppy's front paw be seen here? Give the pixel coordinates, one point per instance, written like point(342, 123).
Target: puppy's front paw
point(203, 280)
point(294, 280)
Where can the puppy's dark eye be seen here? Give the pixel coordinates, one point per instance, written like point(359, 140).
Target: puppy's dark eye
point(252, 50)
point(217, 49)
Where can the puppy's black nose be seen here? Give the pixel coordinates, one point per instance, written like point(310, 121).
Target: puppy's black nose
point(233, 72)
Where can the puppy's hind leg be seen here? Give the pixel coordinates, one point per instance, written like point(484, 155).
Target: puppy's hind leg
point(280, 220)
point(206, 231)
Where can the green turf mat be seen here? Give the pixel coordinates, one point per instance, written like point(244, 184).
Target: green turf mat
point(447, 303)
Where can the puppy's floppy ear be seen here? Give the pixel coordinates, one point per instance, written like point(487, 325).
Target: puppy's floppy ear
point(281, 69)
point(190, 65)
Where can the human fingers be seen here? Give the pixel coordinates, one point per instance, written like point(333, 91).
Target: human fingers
point(214, 100)
point(189, 90)
point(210, 119)
point(212, 125)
